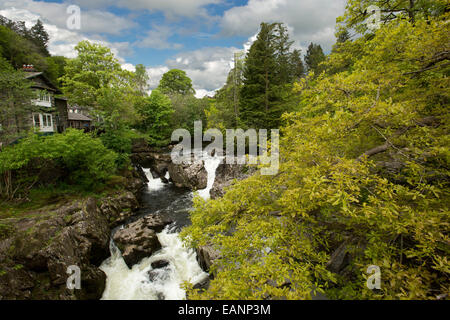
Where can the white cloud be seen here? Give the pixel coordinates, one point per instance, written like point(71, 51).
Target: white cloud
point(155, 74)
point(207, 67)
point(63, 41)
point(171, 8)
point(201, 93)
point(307, 20)
point(92, 21)
point(158, 38)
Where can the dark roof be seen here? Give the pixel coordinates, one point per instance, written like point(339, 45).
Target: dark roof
point(49, 85)
point(78, 117)
point(29, 75)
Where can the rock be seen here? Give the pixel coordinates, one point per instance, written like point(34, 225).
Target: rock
point(191, 175)
point(160, 264)
point(339, 259)
point(40, 246)
point(203, 285)
point(226, 174)
point(206, 256)
point(138, 240)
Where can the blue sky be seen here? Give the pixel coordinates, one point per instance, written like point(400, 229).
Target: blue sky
point(198, 36)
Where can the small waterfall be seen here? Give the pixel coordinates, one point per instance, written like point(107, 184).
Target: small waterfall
point(143, 282)
point(211, 164)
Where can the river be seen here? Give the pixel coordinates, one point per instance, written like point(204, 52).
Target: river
point(163, 284)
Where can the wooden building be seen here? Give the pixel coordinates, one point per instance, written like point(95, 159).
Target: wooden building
point(50, 113)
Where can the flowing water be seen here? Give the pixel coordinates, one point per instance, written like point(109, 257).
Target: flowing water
point(143, 282)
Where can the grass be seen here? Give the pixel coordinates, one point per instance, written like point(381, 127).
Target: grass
point(42, 197)
point(53, 196)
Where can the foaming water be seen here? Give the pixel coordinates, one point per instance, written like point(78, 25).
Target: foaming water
point(142, 282)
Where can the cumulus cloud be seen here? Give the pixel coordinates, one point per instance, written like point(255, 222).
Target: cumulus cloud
point(63, 41)
point(171, 8)
point(155, 74)
point(307, 20)
point(207, 67)
point(158, 38)
point(92, 21)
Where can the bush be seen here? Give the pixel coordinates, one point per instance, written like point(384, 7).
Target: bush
point(86, 161)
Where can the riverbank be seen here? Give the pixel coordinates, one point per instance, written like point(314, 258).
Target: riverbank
point(37, 246)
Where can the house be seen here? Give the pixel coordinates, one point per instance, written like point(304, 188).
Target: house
point(50, 114)
point(78, 118)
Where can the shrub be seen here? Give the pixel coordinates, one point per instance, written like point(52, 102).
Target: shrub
point(86, 161)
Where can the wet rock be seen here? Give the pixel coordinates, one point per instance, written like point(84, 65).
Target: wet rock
point(191, 175)
point(226, 174)
point(160, 264)
point(138, 240)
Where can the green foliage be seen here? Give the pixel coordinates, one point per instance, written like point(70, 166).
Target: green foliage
point(187, 110)
point(269, 70)
point(15, 103)
point(155, 112)
point(176, 81)
point(55, 70)
point(86, 161)
point(96, 79)
point(314, 57)
point(365, 161)
point(18, 50)
point(141, 79)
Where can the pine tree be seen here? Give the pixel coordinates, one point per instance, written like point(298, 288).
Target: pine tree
point(259, 74)
point(40, 37)
point(297, 66)
point(314, 56)
point(282, 46)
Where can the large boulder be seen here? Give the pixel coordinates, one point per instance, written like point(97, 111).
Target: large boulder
point(38, 247)
point(157, 160)
point(138, 239)
point(226, 174)
point(189, 174)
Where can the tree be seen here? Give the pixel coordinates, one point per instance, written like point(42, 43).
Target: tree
point(55, 70)
point(141, 79)
point(364, 172)
point(95, 79)
point(282, 46)
point(40, 37)
point(268, 75)
point(297, 67)
point(176, 81)
point(15, 105)
point(314, 56)
point(357, 11)
point(18, 50)
point(259, 77)
point(155, 112)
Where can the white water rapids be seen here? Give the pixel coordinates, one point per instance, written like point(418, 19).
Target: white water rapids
point(162, 284)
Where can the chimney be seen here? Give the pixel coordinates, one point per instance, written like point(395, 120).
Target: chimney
point(28, 68)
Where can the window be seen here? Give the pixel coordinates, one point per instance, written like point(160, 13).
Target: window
point(48, 120)
point(37, 120)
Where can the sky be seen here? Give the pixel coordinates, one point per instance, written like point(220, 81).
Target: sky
point(197, 36)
